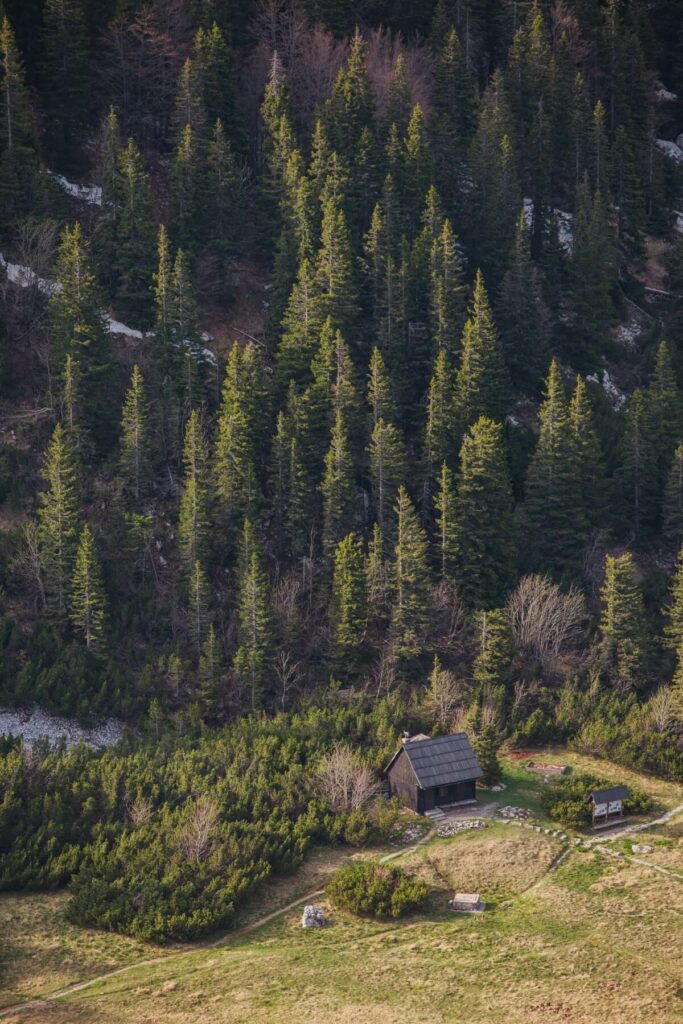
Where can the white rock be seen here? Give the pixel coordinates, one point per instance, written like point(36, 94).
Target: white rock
point(87, 193)
point(34, 724)
point(642, 848)
point(670, 149)
point(313, 917)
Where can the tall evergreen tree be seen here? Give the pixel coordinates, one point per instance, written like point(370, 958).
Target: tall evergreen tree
point(481, 385)
point(622, 624)
point(65, 70)
point(592, 274)
point(17, 136)
point(665, 412)
point(338, 488)
point(553, 492)
point(349, 600)
point(638, 471)
point(440, 439)
point(134, 252)
point(483, 507)
point(193, 514)
point(334, 273)
point(411, 598)
point(447, 523)
point(380, 396)
point(57, 519)
point(185, 192)
point(87, 603)
point(225, 200)
point(198, 598)
point(494, 646)
point(134, 450)
point(236, 485)
point(252, 659)
point(519, 317)
point(672, 504)
point(387, 472)
point(673, 630)
point(448, 292)
point(590, 464)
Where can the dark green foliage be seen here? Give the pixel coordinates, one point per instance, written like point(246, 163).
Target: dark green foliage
point(567, 800)
point(486, 748)
point(623, 624)
point(375, 890)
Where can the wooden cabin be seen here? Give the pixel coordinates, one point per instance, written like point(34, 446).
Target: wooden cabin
point(426, 773)
point(608, 804)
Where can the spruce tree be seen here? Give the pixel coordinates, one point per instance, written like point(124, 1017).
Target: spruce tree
point(553, 489)
point(134, 449)
point(622, 623)
point(377, 578)
point(72, 420)
point(225, 200)
point(334, 273)
point(387, 458)
point(185, 192)
point(190, 111)
point(291, 483)
point(17, 136)
point(486, 553)
point(590, 464)
point(672, 504)
point(236, 486)
point(193, 514)
point(440, 439)
point(134, 253)
point(301, 326)
point(198, 600)
point(57, 519)
point(252, 659)
point(495, 649)
point(417, 169)
point(411, 597)
point(481, 385)
point(448, 292)
point(665, 412)
point(380, 396)
point(638, 472)
point(348, 611)
point(592, 275)
point(445, 504)
point(519, 317)
point(338, 488)
point(673, 630)
point(486, 748)
point(87, 603)
point(65, 72)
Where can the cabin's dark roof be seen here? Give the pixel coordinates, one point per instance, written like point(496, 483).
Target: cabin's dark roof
point(604, 796)
point(442, 761)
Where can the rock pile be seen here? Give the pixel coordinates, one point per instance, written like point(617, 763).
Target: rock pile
point(450, 828)
point(519, 813)
point(408, 835)
point(313, 917)
point(641, 848)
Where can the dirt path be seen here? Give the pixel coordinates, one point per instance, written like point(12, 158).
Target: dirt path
point(630, 830)
point(41, 1001)
point(639, 860)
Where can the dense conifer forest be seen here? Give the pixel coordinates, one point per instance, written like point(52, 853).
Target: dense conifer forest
point(341, 350)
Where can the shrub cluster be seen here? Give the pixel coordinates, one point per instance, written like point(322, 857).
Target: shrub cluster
point(376, 890)
point(567, 799)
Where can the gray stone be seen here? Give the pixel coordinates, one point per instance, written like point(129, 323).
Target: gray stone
point(641, 848)
point(313, 917)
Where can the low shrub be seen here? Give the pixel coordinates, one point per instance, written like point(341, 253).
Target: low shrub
point(567, 799)
point(376, 890)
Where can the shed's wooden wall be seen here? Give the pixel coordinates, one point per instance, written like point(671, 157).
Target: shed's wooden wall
point(402, 781)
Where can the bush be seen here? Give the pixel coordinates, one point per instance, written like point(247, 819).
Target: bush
point(567, 800)
point(376, 890)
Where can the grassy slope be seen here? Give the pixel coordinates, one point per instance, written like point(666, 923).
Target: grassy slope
point(591, 943)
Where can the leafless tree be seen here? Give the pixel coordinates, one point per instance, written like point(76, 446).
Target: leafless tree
point(288, 672)
point(28, 564)
point(196, 834)
point(451, 625)
point(442, 697)
point(343, 781)
point(384, 673)
point(140, 811)
point(546, 622)
point(661, 708)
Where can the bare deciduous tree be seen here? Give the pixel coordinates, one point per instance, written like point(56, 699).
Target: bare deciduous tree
point(197, 832)
point(140, 811)
point(343, 781)
point(442, 697)
point(661, 708)
point(288, 672)
point(451, 625)
point(28, 564)
point(546, 622)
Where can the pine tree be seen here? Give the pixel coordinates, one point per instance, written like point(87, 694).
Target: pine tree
point(672, 504)
point(277, 144)
point(519, 317)
point(483, 508)
point(185, 337)
point(445, 504)
point(622, 624)
point(349, 110)
point(411, 598)
point(211, 670)
point(65, 68)
point(592, 274)
point(57, 519)
point(77, 325)
point(553, 491)
point(301, 326)
point(377, 573)
point(448, 292)
point(252, 659)
point(190, 111)
point(590, 465)
point(417, 169)
point(348, 612)
point(673, 630)
point(87, 603)
point(72, 421)
point(380, 397)
point(440, 434)
point(134, 253)
point(185, 192)
point(211, 52)
point(486, 748)
point(334, 273)
point(495, 648)
point(387, 458)
point(193, 514)
point(225, 200)
point(17, 135)
point(454, 104)
point(399, 97)
point(198, 598)
point(236, 486)
point(338, 488)
point(134, 451)
point(291, 483)
point(481, 384)
point(665, 412)
point(638, 471)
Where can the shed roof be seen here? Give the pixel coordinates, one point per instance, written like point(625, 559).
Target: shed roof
point(604, 796)
point(441, 760)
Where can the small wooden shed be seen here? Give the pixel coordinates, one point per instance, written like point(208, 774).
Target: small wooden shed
point(608, 804)
point(426, 773)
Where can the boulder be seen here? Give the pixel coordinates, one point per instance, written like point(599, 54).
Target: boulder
point(641, 848)
point(313, 917)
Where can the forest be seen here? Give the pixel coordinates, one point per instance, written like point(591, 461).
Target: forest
point(340, 390)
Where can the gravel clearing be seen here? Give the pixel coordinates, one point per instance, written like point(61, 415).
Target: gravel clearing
point(34, 724)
